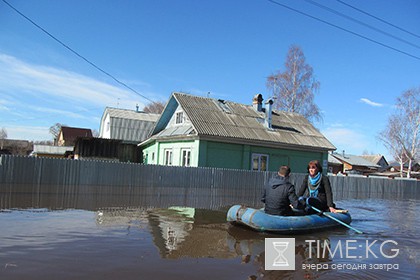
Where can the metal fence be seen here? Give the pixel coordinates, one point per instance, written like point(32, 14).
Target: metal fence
point(107, 183)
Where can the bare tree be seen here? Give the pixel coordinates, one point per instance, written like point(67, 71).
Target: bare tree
point(55, 131)
point(390, 138)
point(401, 136)
point(156, 107)
point(295, 88)
point(3, 136)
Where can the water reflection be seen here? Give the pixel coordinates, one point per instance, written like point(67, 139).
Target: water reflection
point(174, 241)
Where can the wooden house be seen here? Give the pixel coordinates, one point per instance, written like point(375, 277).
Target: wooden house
point(68, 135)
point(206, 132)
point(356, 164)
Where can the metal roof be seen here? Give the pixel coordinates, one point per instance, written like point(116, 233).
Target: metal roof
point(53, 150)
point(239, 122)
point(130, 125)
point(354, 160)
point(374, 158)
point(333, 160)
point(130, 114)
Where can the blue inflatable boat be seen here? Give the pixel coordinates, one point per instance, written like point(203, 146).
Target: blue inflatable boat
point(260, 221)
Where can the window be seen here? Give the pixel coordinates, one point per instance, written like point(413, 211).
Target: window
point(179, 117)
point(168, 157)
point(259, 162)
point(186, 157)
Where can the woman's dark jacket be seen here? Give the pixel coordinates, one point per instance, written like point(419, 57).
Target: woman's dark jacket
point(324, 192)
point(278, 194)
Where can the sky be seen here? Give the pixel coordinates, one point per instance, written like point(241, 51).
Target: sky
point(222, 49)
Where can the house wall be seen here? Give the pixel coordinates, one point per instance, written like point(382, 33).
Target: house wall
point(185, 120)
point(155, 153)
point(228, 155)
point(382, 162)
point(105, 130)
point(60, 139)
point(237, 156)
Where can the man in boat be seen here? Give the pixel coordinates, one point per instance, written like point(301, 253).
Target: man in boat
point(317, 188)
point(279, 194)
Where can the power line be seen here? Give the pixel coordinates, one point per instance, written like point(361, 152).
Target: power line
point(343, 29)
point(75, 52)
point(377, 18)
point(361, 23)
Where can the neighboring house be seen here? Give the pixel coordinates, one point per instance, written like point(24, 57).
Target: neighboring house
point(128, 125)
point(378, 160)
point(355, 164)
point(106, 149)
point(69, 135)
point(15, 147)
point(205, 132)
point(51, 151)
point(396, 167)
point(334, 165)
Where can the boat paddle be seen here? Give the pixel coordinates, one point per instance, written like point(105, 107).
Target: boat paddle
point(335, 219)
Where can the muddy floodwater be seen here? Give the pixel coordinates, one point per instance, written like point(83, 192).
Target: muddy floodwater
point(94, 241)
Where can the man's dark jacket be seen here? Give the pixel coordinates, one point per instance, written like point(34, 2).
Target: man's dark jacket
point(278, 194)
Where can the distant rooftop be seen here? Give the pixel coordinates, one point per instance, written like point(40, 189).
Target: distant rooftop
point(354, 160)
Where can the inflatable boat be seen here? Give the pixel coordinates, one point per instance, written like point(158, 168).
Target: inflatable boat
point(258, 220)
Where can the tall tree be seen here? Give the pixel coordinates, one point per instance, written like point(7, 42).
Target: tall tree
point(156, 107)
point(402, 134)
point(294, 89)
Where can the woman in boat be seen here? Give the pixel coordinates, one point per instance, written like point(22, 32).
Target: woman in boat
point(315, 185)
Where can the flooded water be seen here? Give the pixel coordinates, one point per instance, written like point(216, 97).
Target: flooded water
point(48, 237)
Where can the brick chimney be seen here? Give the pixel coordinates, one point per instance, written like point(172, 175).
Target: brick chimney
point(257, 102)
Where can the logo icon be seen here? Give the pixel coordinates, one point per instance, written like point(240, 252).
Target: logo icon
point(279, 254)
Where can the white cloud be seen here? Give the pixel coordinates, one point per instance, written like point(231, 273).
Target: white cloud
point(347, 139)
point(33, 97)
point(66, 113)
point(31, 133)
point(371, 103)
point(18, 78)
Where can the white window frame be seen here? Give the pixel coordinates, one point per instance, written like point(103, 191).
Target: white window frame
point(179, 117)
point(186, 157)
point(168, 156)
point(259, 157)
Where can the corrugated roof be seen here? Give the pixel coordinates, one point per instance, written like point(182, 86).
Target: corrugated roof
point(130, 125)
point(131, 114)
point(354, 160)
point(373, 158)
point(225, 119)
point(333, 160)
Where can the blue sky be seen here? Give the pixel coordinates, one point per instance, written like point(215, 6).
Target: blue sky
point(227, 48)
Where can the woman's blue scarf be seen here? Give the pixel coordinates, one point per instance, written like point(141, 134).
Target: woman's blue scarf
point(315, 179)
point(313, 185)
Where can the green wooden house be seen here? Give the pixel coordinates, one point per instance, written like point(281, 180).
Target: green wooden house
point(206, 132)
